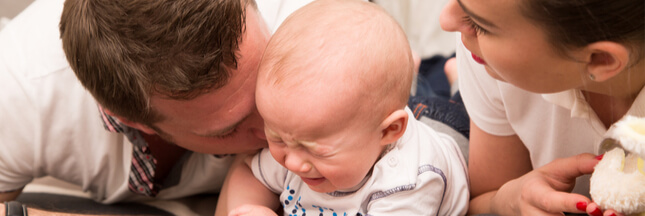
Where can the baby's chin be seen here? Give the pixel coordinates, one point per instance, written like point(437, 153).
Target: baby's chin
point(320, 189)
point(324, 186)
point(327, 187)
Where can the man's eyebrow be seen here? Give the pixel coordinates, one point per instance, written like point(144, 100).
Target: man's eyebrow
point(222, 131)
point(475, 16)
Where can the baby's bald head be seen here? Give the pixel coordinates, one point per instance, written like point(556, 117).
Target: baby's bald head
point(350, 49)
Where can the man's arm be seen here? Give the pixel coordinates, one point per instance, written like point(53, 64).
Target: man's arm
point(241, 188)
point(38, 212)
point(8, 196)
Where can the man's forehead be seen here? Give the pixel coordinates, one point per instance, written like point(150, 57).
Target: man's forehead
point(212, 110)
point(200, 103)
point(219, 131)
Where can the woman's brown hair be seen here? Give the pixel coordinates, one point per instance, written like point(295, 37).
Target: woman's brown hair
point(576, 23)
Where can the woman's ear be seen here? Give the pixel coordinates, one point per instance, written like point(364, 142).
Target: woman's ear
point(606, 59)
point(139, 126)
point(393, 127)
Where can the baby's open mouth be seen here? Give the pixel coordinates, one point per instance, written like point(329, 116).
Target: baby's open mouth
point(313, 181)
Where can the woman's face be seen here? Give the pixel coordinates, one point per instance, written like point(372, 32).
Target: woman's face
point(512, 48)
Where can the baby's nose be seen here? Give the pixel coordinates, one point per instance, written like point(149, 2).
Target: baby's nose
point(297, 164)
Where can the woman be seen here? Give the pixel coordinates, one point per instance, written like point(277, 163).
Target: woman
point(542, 81)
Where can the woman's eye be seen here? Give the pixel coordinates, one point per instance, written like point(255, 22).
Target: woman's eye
point(478, 29)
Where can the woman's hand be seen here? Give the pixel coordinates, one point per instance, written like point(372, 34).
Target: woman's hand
point(594, 210)
point(545, 191)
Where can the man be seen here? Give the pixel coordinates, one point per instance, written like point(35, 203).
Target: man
point(166, 91)
point(151, 125)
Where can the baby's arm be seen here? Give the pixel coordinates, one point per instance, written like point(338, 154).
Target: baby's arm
point(241, 188)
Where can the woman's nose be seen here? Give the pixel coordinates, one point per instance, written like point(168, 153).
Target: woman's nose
point(451, 17)
point(259, 133)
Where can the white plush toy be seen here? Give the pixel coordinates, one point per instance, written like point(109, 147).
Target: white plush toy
point(618, 181)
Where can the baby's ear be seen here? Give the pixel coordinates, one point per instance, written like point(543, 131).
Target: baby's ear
point(606, 59)
point(393, 126)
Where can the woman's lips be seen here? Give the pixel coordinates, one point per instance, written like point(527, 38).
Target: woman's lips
point(478, 59)
point(313, 181)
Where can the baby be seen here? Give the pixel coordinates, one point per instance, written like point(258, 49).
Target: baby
point(332, 88)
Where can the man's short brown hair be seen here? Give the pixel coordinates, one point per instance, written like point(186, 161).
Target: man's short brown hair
point(124, 51)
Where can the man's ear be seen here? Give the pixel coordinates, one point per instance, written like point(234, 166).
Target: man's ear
point(393, 127)
point(139, 126)
point(606, 59)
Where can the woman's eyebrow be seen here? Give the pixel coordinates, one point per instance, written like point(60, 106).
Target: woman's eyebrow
point(475, 16)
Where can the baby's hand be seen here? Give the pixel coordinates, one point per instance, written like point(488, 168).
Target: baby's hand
point(249, 209)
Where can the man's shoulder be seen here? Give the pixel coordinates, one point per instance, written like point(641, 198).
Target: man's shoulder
point(275, 12)
point(30, 43)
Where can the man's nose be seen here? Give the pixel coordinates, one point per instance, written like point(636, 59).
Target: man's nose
point(257, 125)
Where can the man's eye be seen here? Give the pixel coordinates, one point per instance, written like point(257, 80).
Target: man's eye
point(229, 134)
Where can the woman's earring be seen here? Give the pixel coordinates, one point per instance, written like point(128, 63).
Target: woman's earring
point(592, 77)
